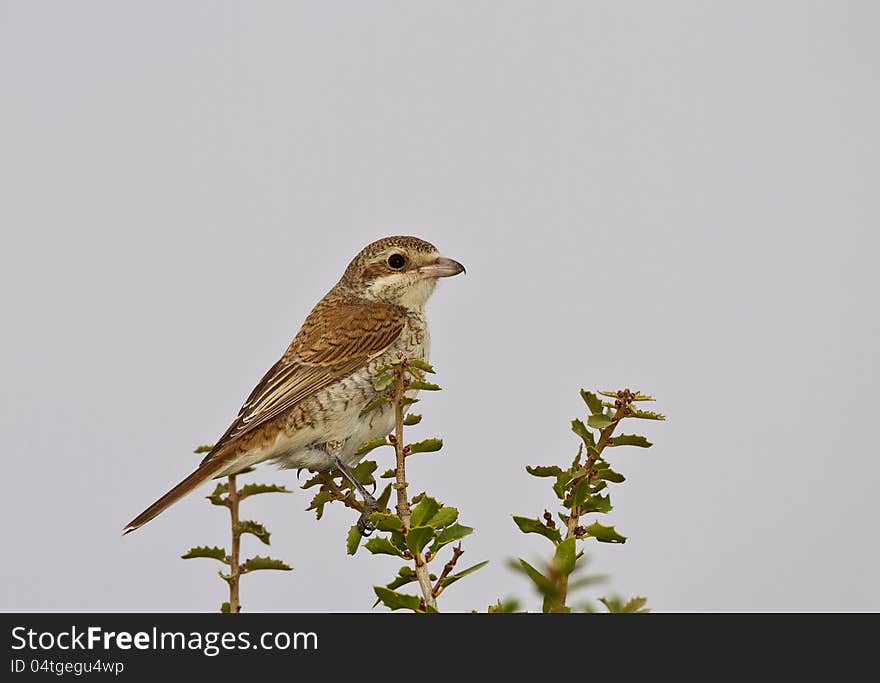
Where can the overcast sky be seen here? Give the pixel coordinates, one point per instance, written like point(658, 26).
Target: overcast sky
point(678, 197)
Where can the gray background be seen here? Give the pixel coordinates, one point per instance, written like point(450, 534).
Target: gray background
point(678, 197)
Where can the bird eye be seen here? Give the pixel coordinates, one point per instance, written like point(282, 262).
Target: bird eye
point(396, 261)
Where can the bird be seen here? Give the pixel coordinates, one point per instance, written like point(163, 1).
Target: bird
point(305, 413)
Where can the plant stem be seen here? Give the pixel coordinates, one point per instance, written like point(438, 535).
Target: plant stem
point(234, 563)
point(403, 509)
point(574, 518)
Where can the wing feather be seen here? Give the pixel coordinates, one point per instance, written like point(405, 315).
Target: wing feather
point(338, 338)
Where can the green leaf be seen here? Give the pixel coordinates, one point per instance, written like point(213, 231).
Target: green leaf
point(382, 500)
point(580, 492)
point(426, 508)
point(633, 606)
point(388, 474)
point(249, 526)
point(224, 608)
point(375, 403)
point(364, 471)
point(418, 537)
point(643, 397)
point(205, 448)
point(596, 503)
point(561, 484)
point(450, 534)
point(386, 522)
point(398, 541)
point(394, 600)
point(444, 517)
point(599, 421)
point(452, 578)
point(257, 563)
point(607, 474)
point(318, 502)
point(580, 429)
point(545, 585)
point(544, 471)
point(576, 463)
point(421, 365)
point(604, 534)
point(630, 440)
point(412, 419)
point(353, 540)
point(372, 444)
point(426, 446)
point(424, 386)
point(313, 481)
point(217, 497)
point(383, 381)
point(404, 576)
point(255, 489)
point(382, 546)
point(536, 526)
point(564, 557)
point(594, 403)
point(214, 553)
point(645, 414)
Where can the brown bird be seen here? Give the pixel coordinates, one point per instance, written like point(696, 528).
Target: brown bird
point(306, 411)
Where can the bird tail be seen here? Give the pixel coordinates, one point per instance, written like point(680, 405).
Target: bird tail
point(205, 471)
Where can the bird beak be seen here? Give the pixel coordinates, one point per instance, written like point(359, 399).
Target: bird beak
point(442, 267)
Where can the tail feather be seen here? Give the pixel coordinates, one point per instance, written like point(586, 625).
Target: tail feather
point(205, 471)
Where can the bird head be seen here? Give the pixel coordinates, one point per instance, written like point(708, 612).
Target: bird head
point(398, 270)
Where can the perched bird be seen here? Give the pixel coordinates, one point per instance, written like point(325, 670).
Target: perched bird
point(306, 411)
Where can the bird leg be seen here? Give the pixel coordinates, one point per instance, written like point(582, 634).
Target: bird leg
point(370, 504)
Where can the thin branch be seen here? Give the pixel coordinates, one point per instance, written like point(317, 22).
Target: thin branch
point(346, 498)
point(447, 569)
point(403, 508)
point(235, 566)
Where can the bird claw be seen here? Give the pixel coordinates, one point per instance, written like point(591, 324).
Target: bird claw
point(364, 524)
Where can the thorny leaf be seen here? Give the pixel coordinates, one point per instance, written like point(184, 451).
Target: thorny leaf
point(382, 546)
point(394, 601)
point(594, 403)
point(630, 440)
point(424, 386)
point(257, 563)
point(604, 534)
point(249, 526)
point(418, 537)
point(353, 540)
point(213, 553)
point(255, 489)
point(426, 446)
point(450, 534)
point(544, 471)
point(536, 526)
point(372, 444)
point(586, 435)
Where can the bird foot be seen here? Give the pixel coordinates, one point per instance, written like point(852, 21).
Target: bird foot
point(364, 525)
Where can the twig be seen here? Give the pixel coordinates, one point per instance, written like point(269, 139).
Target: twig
point(345, 498)
point(234, 564)
point(447, 568)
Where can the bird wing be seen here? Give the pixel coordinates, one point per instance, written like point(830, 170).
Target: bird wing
point(337, 339)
